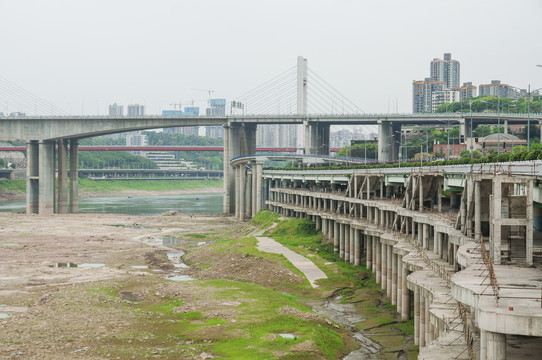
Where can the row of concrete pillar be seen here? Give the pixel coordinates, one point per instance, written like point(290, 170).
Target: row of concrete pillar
point(248, 189)
point(42, 196)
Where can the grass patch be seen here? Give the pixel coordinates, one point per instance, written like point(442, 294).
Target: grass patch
point(265, 218)
point(13, 185)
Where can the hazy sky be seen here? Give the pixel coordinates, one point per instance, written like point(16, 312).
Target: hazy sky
point(88, 54)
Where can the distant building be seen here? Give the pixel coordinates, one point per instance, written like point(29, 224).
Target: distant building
point(116, 110)
point(446, 96)
point(466, 91)
point(455, 149)
point(217, 108)
point(446, 70)
point(186, 130)
point(496, 88)
point(136, 138)
point(136, 110)
point(422, 94)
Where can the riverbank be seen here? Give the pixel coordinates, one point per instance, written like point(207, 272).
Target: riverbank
point(13, 190)
point(96, 286)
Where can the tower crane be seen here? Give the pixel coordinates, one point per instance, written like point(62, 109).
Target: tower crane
point(209, 92)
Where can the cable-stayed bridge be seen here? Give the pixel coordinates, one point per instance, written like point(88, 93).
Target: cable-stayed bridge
point(318, 105)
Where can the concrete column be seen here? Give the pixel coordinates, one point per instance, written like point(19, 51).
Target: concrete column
point(416, 316)
point(399, 269)
point(495, 346)
point(421, 194)
point(529, 229)
point(477, 211)
point(336, 236)
point(376, 258)
point(393, 277)
point(229, 179)
point(435, 240)
point(389, 274)
point(369, 253)
point(74, 176)
point(254, 187)
point(341, 241)
point(242, 189)
point(237, 182)
point(425, 236)
point(422, 320)
point(46, 177)
point(62, 176)
point(384, 265)
point(463, 212)
point(352, 244)
point(439, 196)
point(405, 296)
point(483, 345)
point(346, 243)
point(374, 248)
point(32, 177)
point(357, 247)
point(420, 233)
point(427, 322)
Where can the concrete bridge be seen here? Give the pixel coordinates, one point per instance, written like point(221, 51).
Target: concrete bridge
point(45, 134)
point(459, 246)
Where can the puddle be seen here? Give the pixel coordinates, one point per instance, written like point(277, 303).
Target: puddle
point(200, 243)
point(180, 278)
point(287, 336)
point(5, 315)
point(91, 265)
point(170, 241)
point(66, 265)
point(131, 226)
point(130, 296)
point(139, 266)
point(83, 265)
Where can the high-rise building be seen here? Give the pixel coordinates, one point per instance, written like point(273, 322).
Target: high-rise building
point(136, 138)
point(422, 94)
point(136, 110)
point(466, 91)
point(116, 110)
point(217, 108)
point(186, 130)
point(445, 96)
point(446, 70)
point(499, 90)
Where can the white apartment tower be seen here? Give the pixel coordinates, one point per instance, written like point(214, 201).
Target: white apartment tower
point(446, 70)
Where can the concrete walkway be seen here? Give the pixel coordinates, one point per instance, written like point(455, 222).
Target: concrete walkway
point(307, 267)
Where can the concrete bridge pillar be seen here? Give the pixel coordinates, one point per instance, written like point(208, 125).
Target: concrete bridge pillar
point(369, 253)
point(477, 211)
point(378, 251)
point(389, 271)
point(341, 241)
point(388, 140)
point(357, 247)
point(416, 315)
point(46, 177)
point(336, 236)
point(405, 296)
point(239, 140)
point(74, 176)
point(384, 265)
point(347, 243)
point(32, 177)
point(319, 138)
point(62, 177)
point(493, 345)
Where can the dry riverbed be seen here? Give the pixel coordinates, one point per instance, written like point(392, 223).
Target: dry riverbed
point(98, 286)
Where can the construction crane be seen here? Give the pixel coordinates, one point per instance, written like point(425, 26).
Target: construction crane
point(209, 92)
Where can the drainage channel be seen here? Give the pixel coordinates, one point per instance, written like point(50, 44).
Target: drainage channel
point(346, 315)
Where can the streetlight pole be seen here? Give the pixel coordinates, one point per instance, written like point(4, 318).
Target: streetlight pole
point(528, 117)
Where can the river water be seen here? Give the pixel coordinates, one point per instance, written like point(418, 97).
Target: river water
point(210, 203)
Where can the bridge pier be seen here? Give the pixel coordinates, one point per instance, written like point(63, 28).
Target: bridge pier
point(389, 138)
point(41, 195)
point(239, 140)
point(62, 176)
point(46, 172)
point(32, 177)
point(74, 176)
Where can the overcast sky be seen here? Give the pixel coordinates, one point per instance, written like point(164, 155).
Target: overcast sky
point(84, 55)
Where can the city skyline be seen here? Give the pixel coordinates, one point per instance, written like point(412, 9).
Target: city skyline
point(152, 54)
